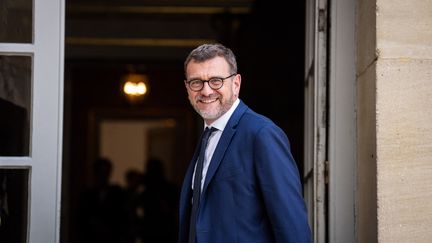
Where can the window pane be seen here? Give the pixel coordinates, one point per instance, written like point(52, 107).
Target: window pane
point(16, 21)
point(13, 205)
point(15, 96)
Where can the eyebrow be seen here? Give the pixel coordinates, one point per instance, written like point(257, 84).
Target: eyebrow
point(204, 79)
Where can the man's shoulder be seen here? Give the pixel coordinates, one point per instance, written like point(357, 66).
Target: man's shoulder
point(246, 118)
point(256, 120)
point(250, 114)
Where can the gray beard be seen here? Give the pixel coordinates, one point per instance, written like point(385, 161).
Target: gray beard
point(219, 113)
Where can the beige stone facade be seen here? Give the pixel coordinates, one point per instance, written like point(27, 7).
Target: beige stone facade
point(394, 120)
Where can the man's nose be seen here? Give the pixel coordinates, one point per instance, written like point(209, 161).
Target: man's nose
point(206, 90)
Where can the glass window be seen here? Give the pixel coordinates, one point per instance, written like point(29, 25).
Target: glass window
point(15, 98)
point(16, 18)
point(13, 205)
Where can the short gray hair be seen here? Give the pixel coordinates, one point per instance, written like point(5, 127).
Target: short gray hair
point(209, 51)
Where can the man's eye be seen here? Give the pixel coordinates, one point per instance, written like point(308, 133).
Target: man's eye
point(195, 82)
point(215, 80)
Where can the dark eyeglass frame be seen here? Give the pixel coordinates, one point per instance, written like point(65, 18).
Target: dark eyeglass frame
point(212, 82)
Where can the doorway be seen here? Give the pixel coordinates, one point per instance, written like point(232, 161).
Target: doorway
point(103, 41)
point(131, 137)
point(129, 144)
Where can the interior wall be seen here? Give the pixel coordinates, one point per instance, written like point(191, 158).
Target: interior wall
point(126, 145)
point(129, 144)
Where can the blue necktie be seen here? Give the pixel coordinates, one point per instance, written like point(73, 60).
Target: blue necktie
point(197, 184)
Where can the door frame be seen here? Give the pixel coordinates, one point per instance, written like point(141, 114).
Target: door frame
point(330, 119)
point(342, 131)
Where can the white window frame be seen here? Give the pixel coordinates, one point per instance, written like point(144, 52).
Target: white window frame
point(44, 160)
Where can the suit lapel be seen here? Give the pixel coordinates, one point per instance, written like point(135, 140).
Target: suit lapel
point(223, 144)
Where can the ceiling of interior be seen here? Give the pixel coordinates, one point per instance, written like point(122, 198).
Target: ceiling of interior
point(131, 29)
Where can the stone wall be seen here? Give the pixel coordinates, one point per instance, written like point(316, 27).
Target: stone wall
point(404, 120)
point(394, 120)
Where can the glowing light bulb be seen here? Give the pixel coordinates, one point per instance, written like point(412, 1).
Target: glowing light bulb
point(135, 87)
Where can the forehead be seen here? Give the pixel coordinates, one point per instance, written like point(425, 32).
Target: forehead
point(214, 66)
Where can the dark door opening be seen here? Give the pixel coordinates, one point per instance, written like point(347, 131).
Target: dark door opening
point(105, 41)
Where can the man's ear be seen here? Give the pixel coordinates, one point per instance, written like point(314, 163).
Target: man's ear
point(237, 84)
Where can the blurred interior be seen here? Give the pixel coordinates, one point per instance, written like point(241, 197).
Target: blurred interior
point(108, 40)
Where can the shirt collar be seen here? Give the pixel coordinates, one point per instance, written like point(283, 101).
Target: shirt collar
point(221, 122)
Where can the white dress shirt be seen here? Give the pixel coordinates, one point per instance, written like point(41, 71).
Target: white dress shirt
point(219, 124)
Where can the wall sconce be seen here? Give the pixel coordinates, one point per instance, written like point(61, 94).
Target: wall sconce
point(135, 87)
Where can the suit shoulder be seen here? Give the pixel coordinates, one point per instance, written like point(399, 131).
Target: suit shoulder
point(257, 121)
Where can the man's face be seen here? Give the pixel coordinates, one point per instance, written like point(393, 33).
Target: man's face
point(212, 104)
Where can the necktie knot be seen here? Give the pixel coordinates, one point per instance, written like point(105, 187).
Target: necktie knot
point(207, 132)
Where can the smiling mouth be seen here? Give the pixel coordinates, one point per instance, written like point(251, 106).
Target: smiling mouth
point(208, 101)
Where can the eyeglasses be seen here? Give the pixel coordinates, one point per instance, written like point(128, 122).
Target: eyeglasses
point(214, 83)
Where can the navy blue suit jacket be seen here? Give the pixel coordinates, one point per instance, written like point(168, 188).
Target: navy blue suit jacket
point(252, 190)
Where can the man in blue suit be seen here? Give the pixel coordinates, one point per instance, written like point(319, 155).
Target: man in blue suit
point(249, 189)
